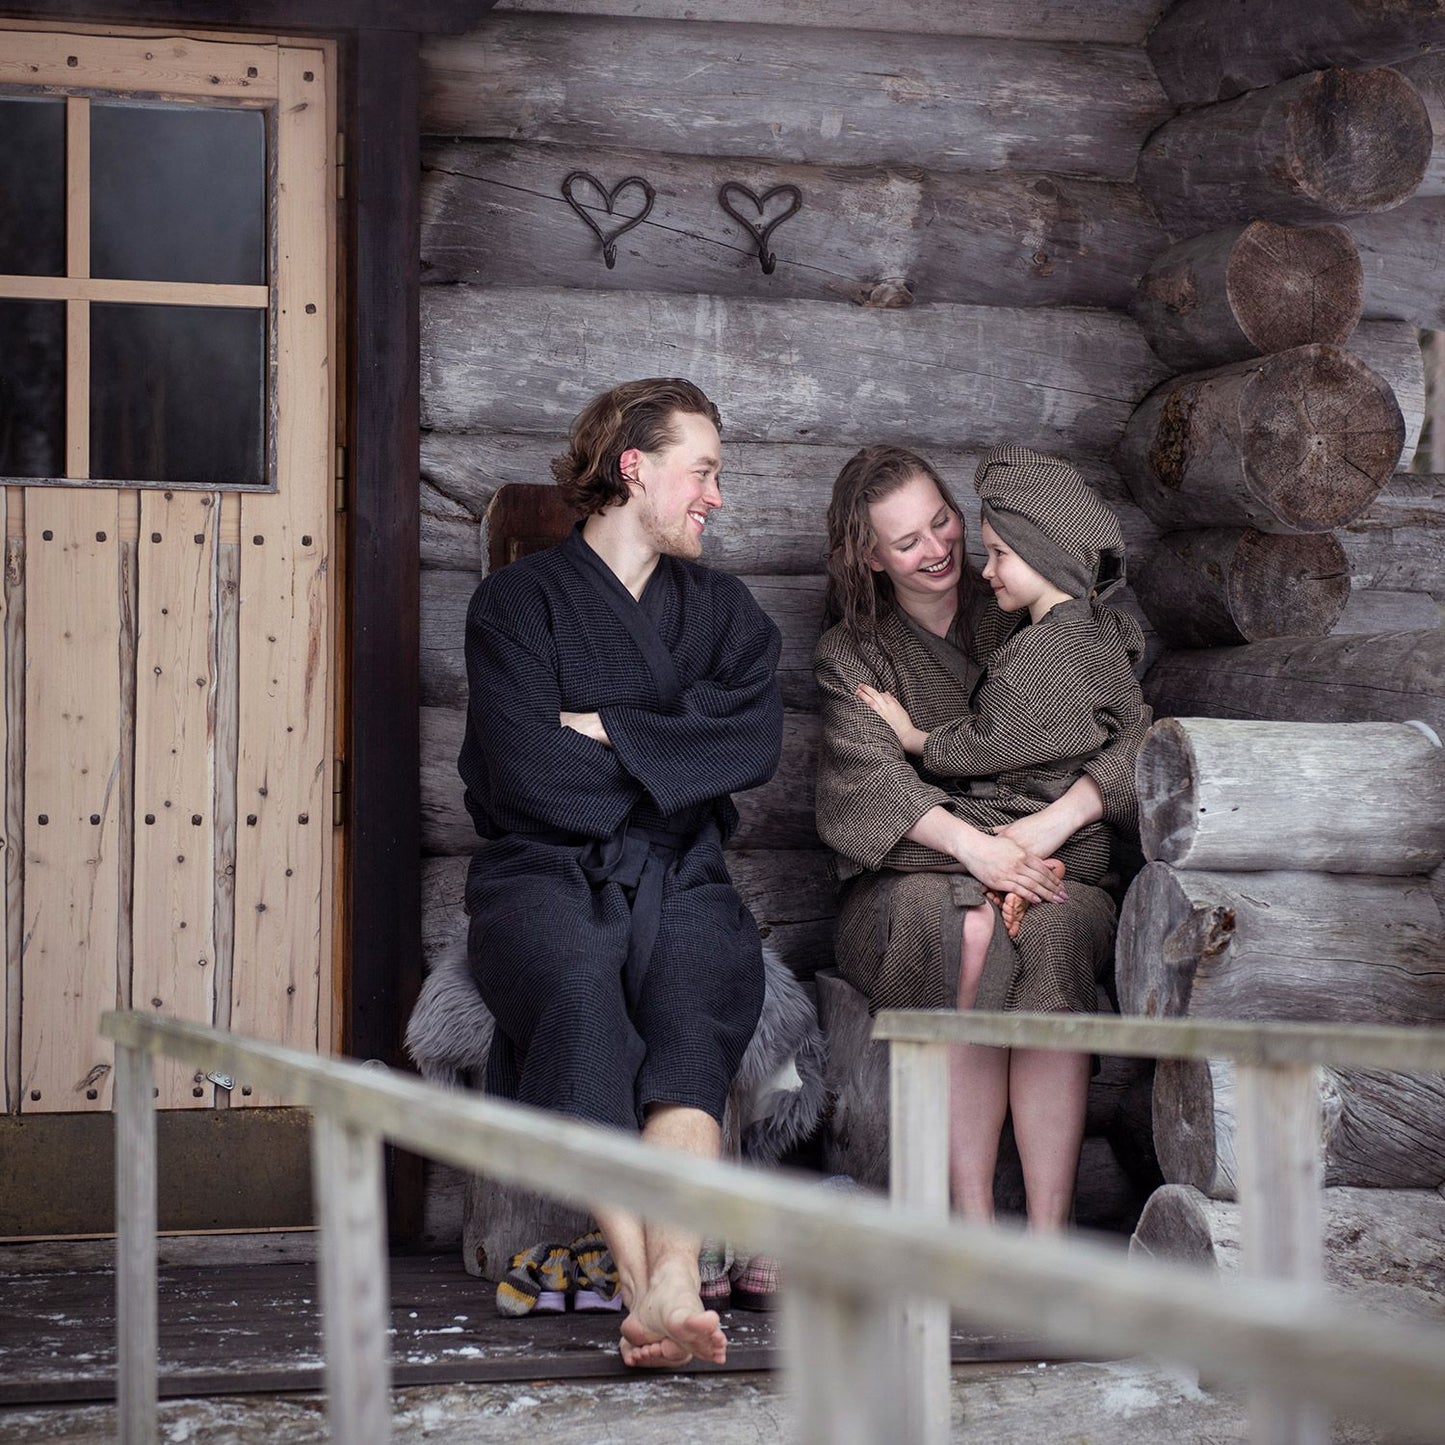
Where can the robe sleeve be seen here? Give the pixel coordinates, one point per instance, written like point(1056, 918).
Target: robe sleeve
point(535, 767)
point(724, 732)
point(1113, 769)
point(869, 793)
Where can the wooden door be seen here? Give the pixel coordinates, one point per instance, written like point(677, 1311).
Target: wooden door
point(167, 447)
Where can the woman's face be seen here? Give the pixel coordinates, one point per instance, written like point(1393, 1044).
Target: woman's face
point(917, 541)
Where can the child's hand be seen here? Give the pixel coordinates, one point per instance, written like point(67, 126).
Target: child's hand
point(896, 716)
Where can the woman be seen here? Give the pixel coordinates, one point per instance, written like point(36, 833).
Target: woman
point(911, 618)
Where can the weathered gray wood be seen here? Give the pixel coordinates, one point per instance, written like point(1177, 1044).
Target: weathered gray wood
point(789, 892)
point(818, 97)
point(499, 1219)
point(1257, 1335)
point(1384, 1246)
point(918, 1177)
point(1249, 290)
point(775, 496)
point(1120, 22)
point(1391, 349)
point(451, 536)
point(494, 212)
point(1318, 147)
point(137, 1328)
point(1427, 74)
point(1396, 543)
point(1400, 251)
point(355, 1298)
point(1327, 947)
point(1206, 50)
point(1392, 676)
point(1220, 586)
point(1279, 1202)
point(797, 371)
point(1373, 611)
point(1219, 793)
point(1380, 1130)
point(1296, 442)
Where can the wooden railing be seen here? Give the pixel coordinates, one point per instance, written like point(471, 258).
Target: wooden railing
point(1277, 1143)
point(848, 1260)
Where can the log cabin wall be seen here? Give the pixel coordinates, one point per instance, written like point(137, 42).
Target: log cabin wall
point(964, 268)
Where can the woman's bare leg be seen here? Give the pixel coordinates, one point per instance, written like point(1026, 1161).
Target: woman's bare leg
point(978, 1087)
point(1049, 1094)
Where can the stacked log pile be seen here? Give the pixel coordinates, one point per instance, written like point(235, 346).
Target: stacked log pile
point(1291, 876)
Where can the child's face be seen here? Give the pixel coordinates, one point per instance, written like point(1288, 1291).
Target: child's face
point(1016, 586)
point(917, 540)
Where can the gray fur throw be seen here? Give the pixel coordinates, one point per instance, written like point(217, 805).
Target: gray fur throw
point(779, 1090)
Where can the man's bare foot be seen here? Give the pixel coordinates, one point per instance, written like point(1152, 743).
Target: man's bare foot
point(670, 1326)
point(1012, 907)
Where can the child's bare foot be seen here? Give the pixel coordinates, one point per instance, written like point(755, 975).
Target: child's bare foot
point(1012, 907)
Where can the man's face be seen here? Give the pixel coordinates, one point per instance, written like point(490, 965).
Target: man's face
point(677, 487)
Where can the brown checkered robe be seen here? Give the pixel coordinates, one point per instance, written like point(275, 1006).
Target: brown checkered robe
point(899, 929)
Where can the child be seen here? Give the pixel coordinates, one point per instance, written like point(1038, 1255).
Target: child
point(1062, 686)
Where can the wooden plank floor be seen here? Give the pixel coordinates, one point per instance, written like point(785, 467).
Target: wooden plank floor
point(232, 1329)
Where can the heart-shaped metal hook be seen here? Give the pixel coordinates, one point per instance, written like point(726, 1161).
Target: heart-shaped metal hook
point(760, 233)
point(609, 204)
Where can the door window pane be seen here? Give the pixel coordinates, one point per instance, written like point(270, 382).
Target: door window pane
point(32, 187)
point(32, 388)
point(178, 193)
point(178, 394)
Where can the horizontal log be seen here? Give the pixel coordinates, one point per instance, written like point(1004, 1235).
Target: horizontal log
point(1379, 1130)
point(1120, 22)
point(1296, 442)
point(815, 97)
point(1333, 797)
point(1257, 947)
point(789, 892)
point(1380, 677)
point(1384, 1247)
point(450, 533)
point(494, 212)
point(800, 371)
point(794, 603)
point(1321, 146)
point(1208, 50)
point(1375, 611)
point(1249, 290)
point(1221, 586)
point(1396, 545)
point(1400, 251)
point(1391, 349)
point(777, 815)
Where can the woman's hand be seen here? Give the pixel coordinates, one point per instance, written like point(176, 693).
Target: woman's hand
point(589, 724)
point(896, 716)
point(1006, 866)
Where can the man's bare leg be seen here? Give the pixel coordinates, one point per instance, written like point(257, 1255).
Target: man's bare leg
point(657, 1266)
point(978, 1087)
point(1049, 1093)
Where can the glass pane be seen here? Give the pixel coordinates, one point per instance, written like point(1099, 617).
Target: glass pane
point(32, 388)
point(177, 394)
point(32, 187)
point(178, 193)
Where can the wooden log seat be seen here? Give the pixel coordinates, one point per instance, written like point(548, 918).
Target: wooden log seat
point(1250, 290)
point(1385, 1247)
point(1117, 1168)
point(1221, 586)
point(1318, 147)
point(1361, 798)
point(1301, 441)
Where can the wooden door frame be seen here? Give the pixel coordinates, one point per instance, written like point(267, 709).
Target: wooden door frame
point(380, 922)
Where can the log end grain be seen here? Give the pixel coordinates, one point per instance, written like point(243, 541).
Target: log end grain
point(1185, 1128)
point(1358, 140)
point(1167, 776)
point(1292, 285)
point(1174, 1225)
point(1321, 435)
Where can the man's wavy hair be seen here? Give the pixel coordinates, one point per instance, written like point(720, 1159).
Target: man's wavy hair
point(856, 595)
point(636, 414)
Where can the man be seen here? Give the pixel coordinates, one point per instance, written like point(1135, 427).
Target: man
point(619, 693)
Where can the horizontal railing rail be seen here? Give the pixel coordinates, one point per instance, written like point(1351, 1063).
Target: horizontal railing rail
point(848, 1258)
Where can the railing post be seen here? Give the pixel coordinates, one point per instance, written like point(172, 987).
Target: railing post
point(135, 1247)
point(346, 1168)
point(1280, 1175)
point(918, 1178)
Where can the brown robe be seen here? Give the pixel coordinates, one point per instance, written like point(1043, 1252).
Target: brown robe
point(900, 920)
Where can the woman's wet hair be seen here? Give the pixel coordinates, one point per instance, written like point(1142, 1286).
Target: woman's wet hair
point(636, 414)
point(856, 595)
